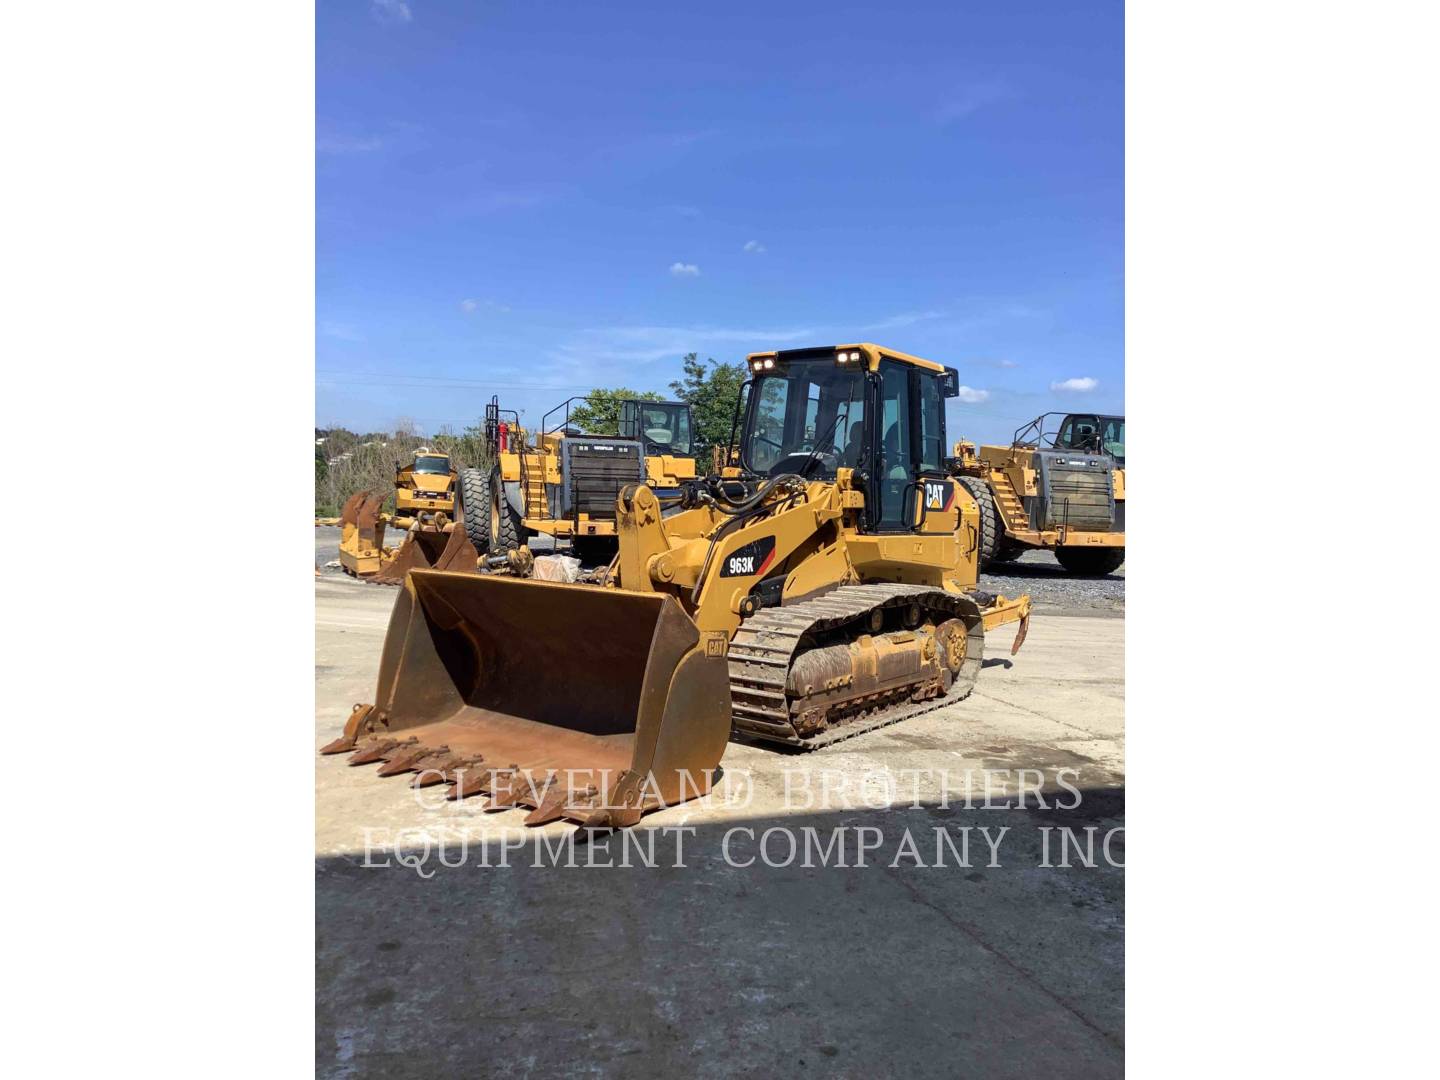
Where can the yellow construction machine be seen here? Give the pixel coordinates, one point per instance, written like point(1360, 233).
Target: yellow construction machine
point(1061, 490)
point(821, 587)
point(562, 482)
point(424, 488)
point(424, 507)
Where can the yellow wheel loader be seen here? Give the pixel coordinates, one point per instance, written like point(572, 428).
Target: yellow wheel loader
point(1059, 490)
point(563, 482)
point(424, 502)
point(821, 587)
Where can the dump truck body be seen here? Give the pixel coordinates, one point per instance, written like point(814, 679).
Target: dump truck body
point(825, 589)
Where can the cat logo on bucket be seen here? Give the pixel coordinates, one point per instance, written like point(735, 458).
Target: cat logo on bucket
point(751, 560)
point(938, 494)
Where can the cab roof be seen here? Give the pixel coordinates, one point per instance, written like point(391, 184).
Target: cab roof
point(872, 352)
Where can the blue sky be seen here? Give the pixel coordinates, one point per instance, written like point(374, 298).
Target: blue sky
point(535, 197)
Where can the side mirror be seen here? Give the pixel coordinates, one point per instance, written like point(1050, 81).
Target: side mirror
point(950, 383)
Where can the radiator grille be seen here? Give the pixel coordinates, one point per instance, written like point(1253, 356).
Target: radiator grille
point(595, 471)
point(1078, 491)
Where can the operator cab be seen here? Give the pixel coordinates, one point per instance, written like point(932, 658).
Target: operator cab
point(812, 412)
point(663, 426)
point(1093, 434)
point(427, 461)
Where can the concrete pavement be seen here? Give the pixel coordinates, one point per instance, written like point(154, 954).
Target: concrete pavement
point(703, 955)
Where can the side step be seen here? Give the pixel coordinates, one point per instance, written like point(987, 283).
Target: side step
point(1011, 508)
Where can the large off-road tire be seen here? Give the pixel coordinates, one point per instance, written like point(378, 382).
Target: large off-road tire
point(472, 507)
point(989, 519)
point(1091, 561)
point(1005, 552)
point(506, 532)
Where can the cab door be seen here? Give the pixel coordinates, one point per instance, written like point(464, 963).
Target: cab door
point(937, 493)
point(909, 485)
point(894, 471)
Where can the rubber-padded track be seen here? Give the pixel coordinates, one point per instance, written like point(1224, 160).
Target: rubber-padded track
point(766, 644)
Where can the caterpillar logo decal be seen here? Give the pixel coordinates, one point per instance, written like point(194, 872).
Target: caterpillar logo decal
point(622, 449)
point(751, 560)
point(939, 494)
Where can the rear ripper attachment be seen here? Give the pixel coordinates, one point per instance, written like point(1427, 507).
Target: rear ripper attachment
point(504, 687)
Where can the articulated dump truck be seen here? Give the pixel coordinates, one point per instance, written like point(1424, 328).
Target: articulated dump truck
point(820, 587)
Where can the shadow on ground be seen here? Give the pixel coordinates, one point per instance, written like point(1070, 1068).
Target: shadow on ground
point(1045, 571)
point(734, 967)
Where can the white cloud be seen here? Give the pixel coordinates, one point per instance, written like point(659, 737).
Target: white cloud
point(1082, 385)
point(391, 11)
point(972, 396)
point(680, 269)
point(470, 306)
point(970, 100)
point(340, 331)
point(753, 247)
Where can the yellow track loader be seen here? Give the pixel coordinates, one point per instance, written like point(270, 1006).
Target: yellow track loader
point(822, 586)
point(1061, 490)
point(563, 482)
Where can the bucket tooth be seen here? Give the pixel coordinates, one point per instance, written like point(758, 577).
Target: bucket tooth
point(430, 775)
point(379, 750)
point(353, 727)
point(410, 761)
point(551, 808)
point(439, 767)
point(513, 787)
point(338, 746)
point(470, 782)
point(563, 802)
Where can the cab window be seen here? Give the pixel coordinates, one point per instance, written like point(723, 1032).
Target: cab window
point(808, 414)
point(894, 469)
point(931, 456)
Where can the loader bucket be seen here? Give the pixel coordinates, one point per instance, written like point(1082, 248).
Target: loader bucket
point(350, 512)
point(582, 702)
point(361, 535)
point(367, 514)
point(426, 549)
point(459, 553)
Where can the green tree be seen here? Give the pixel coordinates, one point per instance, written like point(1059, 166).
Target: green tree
point(710, 388)
point(466, 450)
point(599, 414)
